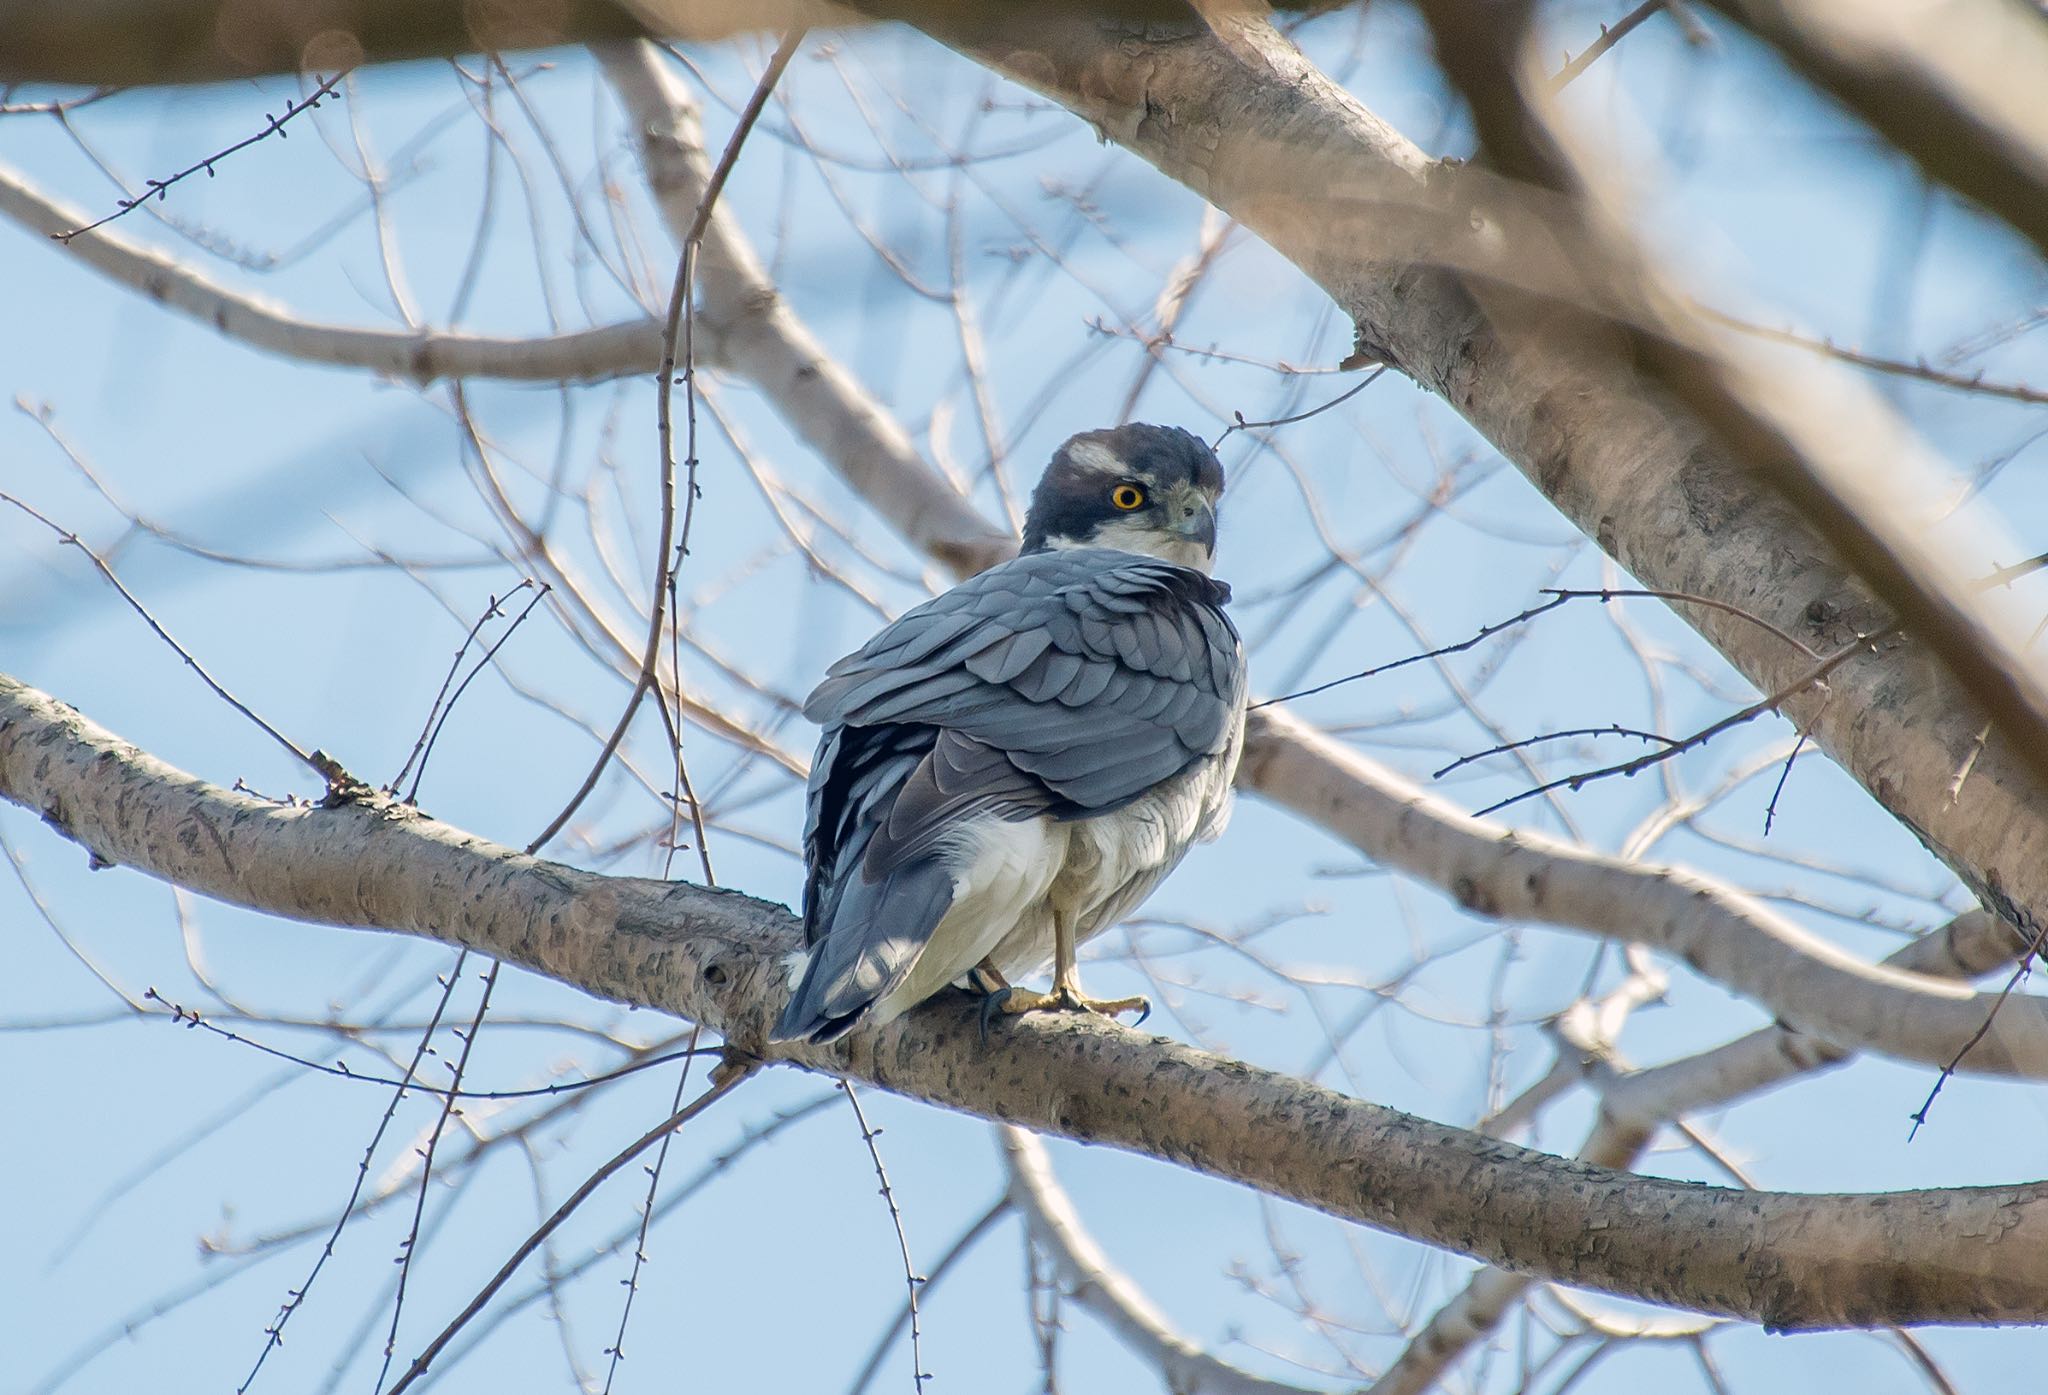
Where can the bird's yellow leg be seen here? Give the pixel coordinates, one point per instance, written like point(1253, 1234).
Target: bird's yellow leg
point(1066, 987)
point(987, 979)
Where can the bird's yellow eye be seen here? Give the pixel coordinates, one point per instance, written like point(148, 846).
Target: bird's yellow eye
point(1127, 497)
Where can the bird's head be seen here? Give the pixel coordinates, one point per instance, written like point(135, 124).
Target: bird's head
point(1148, 489)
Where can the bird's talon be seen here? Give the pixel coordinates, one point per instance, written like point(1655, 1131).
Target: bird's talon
point(1014, 1002)
point(991, 1005)
point(1071, 999)
point(1111, 1007)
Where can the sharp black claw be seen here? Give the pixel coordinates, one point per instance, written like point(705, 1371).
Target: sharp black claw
point(1144, 1011)
point(991, 1006)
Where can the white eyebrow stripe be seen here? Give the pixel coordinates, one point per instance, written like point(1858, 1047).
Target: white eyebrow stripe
point(1100, 459)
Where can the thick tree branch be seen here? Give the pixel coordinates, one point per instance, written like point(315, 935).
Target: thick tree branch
point(1724, 934)
point(1487, 867)
point(747, 327)
point(1845, 467)
point(125, 43)
point(1243, 119)
point(1961, 1255)
point(1634, 1104)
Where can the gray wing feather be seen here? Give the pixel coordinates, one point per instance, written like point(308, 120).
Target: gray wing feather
point(1089, 684)
point(1064, 683)
point(1048, 679)
point(1137, 649)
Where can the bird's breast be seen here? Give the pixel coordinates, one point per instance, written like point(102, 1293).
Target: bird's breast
point(1113, 862)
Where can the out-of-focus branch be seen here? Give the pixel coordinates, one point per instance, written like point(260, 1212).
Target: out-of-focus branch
point(126, 43)
point(1955, 87)
point(1635, 1103)
point(418, 356)
point(1970, 1254)
point(1723, 934)
point(764, 341)
point(1095, 1283)
point(1239, 116)
point(1919, 370)
point(1837, 469)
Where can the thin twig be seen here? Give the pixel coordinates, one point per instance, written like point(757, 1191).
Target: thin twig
point(1211, 353)
point(1559, 596)
point(1569, 732)
point(1818, 673)
point(2006, 576)
point(2020, 971)
point(489, 656)
point(1610, 35)
point(912, 1280)
point(686, 789)
point(273, 1335)
point(412, 1231)
point(1240, 424)
point(1919, 369)
point(966, 1241)
point(1784, 774)
point(678, 303)
point(192, 1018)
point(70, 539)
point(158, 188)
point(562, 1213)
point(617, 1350)
point(492, 612)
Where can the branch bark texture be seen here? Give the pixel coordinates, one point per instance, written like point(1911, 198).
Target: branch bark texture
point(1486, 866)
point(1242, 118)
point(1726, 935)
point(1790, 1261)
point(1634, 1105)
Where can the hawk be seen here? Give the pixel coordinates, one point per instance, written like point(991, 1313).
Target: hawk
point(1014, 765)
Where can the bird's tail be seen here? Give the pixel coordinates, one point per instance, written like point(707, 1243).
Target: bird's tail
point(877, 931)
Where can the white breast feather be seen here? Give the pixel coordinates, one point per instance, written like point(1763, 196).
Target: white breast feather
point(1009, 876)
point(1002, 872)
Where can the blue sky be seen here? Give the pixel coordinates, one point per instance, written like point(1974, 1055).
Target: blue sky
point(142, 1147)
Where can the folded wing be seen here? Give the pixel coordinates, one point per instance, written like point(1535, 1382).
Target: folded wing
point(1064, 683)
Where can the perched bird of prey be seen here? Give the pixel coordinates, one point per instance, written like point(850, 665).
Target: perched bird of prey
point(1014, 765)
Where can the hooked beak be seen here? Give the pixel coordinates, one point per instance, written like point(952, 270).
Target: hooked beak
point(1198, 524)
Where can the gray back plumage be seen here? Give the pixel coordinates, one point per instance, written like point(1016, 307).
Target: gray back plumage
point(1099, 672)
point(1066, 683)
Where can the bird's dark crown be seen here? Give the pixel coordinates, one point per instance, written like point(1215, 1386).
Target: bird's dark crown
point(1178, 480)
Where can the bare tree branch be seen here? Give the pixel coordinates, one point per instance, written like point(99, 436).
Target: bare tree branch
point(1960, 1255)
point(1096, 1284)
point(765, 342)
point(125, 43)
point(1240, 117)
point(1838, 470)
point(417, 356)
point(1635, 1103)
point(1724, 934)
